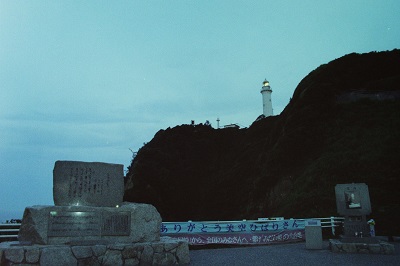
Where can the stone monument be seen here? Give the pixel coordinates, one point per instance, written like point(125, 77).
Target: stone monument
point(90, 224)
point(87, 184)
point(353, 202)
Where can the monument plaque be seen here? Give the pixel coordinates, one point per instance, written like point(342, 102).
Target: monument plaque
point(116, 224)
point(88, 184)
point(73, 223)
point(352, 199)
point(88, 223)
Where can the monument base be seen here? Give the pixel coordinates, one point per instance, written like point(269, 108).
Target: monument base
point(128, 223)
point(164, 252)
point(365, 245)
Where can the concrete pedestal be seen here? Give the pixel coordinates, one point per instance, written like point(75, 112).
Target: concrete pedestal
point(366, 245)
point(129, 223)
point(164, 252)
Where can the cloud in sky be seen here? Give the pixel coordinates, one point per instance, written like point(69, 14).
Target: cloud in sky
point(90, 80)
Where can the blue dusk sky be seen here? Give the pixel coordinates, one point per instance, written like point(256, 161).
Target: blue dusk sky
point(90, 80)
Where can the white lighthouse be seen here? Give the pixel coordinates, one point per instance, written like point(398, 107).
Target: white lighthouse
point(266, 98)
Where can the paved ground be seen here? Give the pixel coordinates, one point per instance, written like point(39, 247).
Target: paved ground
point(288, 254)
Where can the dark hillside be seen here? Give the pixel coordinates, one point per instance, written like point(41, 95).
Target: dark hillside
point(342, 125)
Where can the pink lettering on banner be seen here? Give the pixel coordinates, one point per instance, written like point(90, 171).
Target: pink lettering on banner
point(286, 236)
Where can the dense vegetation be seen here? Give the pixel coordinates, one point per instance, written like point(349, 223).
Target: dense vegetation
point(341, 126)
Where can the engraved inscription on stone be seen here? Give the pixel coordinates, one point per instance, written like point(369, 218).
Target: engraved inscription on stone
point(80, 180)
point(70, 224)
point(116, 224)
point(87, 184)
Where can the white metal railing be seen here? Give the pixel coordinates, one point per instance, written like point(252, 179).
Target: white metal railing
point(331, 222)
point(9, 231)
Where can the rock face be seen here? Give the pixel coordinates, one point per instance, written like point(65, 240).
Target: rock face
point(130, 223)
point(88, 184)
point(341, 126)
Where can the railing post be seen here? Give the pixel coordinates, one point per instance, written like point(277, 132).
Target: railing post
point(333, 225)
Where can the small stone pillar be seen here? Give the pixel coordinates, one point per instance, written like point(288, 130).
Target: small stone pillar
point(313, 233)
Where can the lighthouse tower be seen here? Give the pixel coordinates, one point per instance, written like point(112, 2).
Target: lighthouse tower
point(266, 98)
